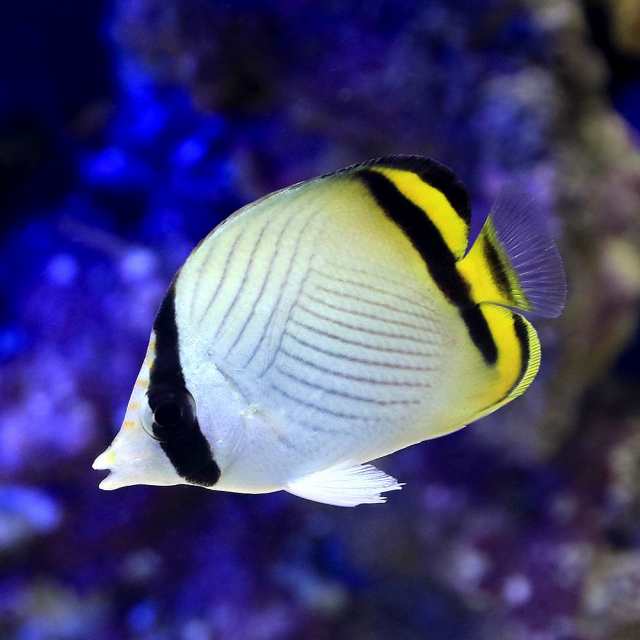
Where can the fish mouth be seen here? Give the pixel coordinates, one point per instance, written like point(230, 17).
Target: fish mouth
point(105, 462)
point(114, 479)
point(125, 472)
point(110, 482)
point(117, 477)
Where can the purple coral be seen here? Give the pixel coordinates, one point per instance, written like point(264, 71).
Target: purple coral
point(523, 527)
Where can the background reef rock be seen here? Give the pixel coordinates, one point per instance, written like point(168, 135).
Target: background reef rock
point(149, 123)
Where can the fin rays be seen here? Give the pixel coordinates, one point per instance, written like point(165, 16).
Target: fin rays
point(345, 486)
point(516, 226)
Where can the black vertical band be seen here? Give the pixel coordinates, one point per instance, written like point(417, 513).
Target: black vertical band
point(436, 175)
point(496, 266)
point(185, 446)
point(166, 370)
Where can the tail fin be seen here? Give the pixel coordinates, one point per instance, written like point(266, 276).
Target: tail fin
point(514, 262)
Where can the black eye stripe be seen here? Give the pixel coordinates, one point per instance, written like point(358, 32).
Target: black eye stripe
point(183, 443)
point(169, 414)
point(175, 410)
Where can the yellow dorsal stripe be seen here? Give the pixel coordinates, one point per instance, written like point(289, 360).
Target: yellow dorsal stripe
point(452, 227)
point(476, 271)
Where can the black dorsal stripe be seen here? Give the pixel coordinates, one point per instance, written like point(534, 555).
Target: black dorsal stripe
point(438, 176)
point(440, 262)
point(434, 174)
point(188, 450)
point(498, 272)
point(430, 171)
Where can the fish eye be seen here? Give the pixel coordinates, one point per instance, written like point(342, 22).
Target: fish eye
point(174, 411)
point(169, 413)
point(146, 420)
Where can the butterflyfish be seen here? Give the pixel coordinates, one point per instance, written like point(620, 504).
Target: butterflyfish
point(332, 323)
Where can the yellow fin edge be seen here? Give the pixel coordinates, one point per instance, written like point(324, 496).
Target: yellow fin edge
point(512, 372)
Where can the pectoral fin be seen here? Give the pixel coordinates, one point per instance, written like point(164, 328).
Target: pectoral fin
point(345, 485)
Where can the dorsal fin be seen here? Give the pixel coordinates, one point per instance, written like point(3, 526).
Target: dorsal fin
point(514, 261)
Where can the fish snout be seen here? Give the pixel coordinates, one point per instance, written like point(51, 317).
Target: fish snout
point(134, 457)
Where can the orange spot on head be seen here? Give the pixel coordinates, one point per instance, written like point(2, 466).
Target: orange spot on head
point(128, 424)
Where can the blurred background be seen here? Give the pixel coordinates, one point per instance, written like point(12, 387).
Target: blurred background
point(128, 129)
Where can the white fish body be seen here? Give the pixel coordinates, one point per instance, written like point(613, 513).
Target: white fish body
point(314, 336)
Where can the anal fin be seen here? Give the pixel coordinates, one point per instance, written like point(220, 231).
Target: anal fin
point(345, 485)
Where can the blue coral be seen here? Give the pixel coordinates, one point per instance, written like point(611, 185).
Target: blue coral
point(201, 108)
